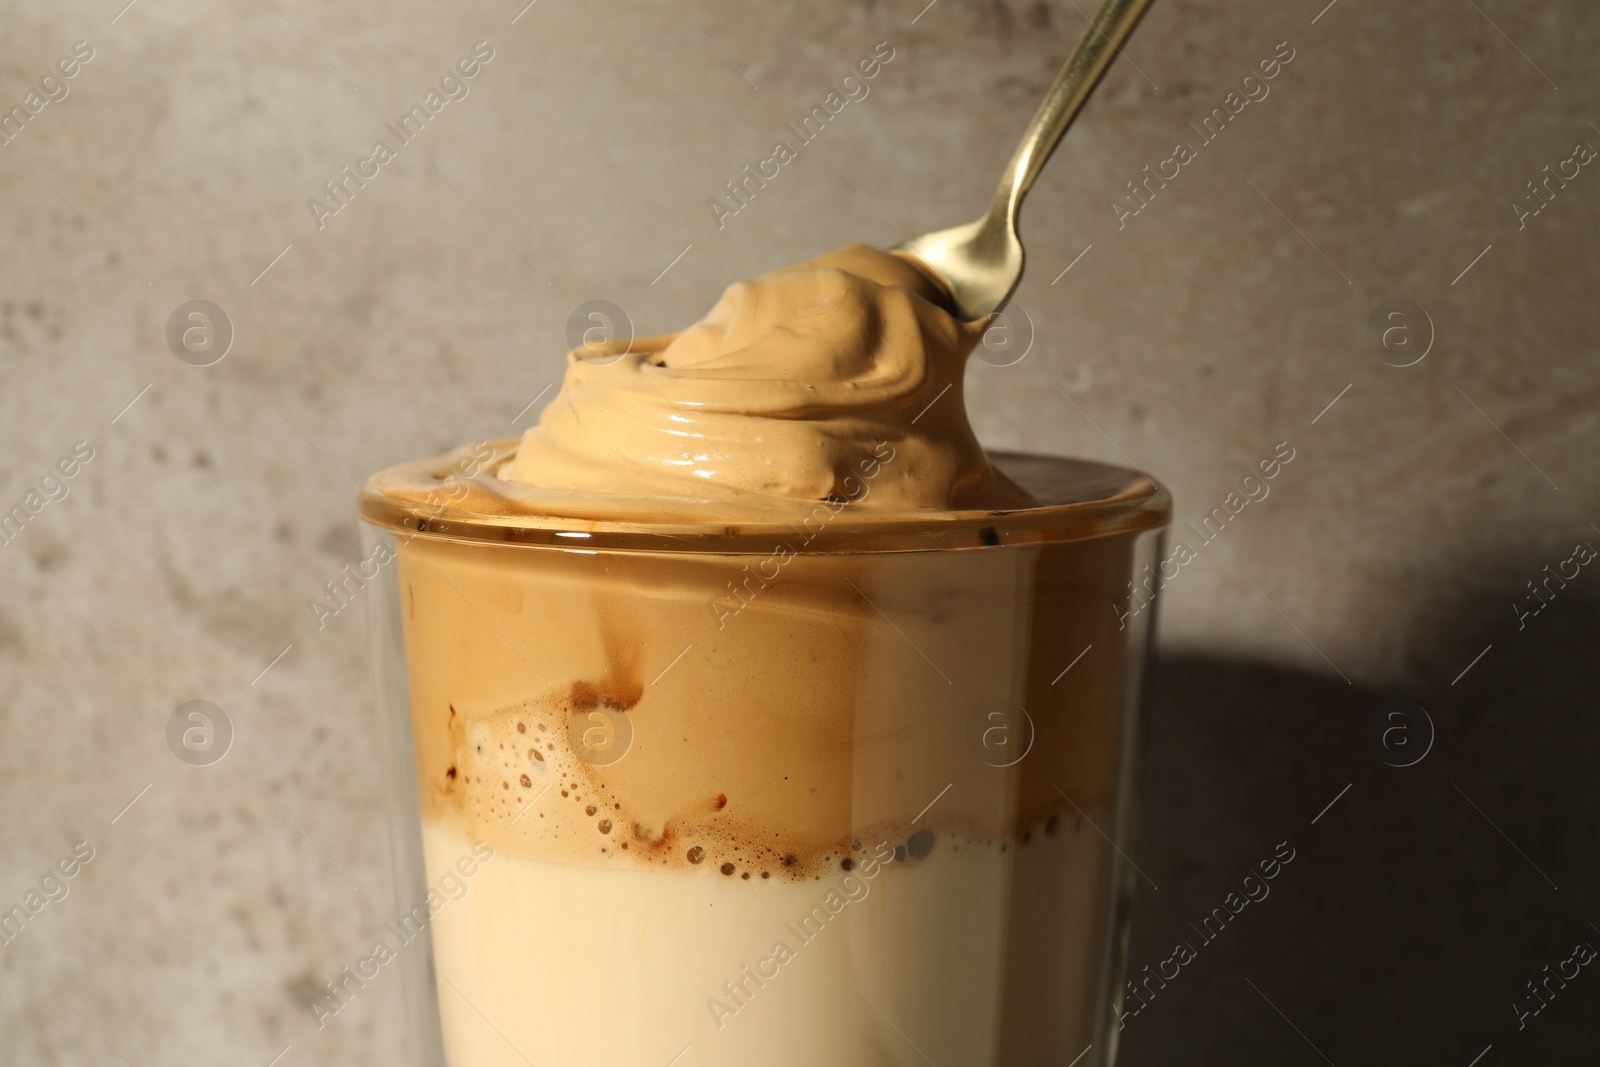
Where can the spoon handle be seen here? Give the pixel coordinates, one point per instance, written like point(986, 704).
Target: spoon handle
point(1111, 27)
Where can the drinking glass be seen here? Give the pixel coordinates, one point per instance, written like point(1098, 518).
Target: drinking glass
point(847, 789)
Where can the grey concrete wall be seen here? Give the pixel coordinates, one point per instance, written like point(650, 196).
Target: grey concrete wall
point(1191, 338)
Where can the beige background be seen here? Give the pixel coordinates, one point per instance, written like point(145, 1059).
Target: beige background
point(1222, 320)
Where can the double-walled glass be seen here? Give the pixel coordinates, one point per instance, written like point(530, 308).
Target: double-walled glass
point(845, 791)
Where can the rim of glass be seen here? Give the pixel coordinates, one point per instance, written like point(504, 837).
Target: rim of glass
point(1101, 500)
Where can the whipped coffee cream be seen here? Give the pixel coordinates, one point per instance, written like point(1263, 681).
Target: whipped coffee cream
point(773, 400)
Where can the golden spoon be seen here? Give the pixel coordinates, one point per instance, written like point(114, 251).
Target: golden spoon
point(980, 262)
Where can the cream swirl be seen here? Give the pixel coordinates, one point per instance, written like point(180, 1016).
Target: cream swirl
point(838, 379)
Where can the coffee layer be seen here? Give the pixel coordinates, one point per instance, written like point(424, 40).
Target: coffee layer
point(765, 733)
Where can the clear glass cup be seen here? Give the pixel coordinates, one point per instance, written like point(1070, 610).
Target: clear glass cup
point(849, 791)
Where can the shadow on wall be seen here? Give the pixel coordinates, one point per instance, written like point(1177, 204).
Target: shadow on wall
point(1407, 926)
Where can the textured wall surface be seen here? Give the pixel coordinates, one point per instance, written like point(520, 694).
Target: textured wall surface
point(1191, 338)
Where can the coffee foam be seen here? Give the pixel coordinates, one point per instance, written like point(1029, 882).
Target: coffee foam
point(517, 778)
point(832, 380)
